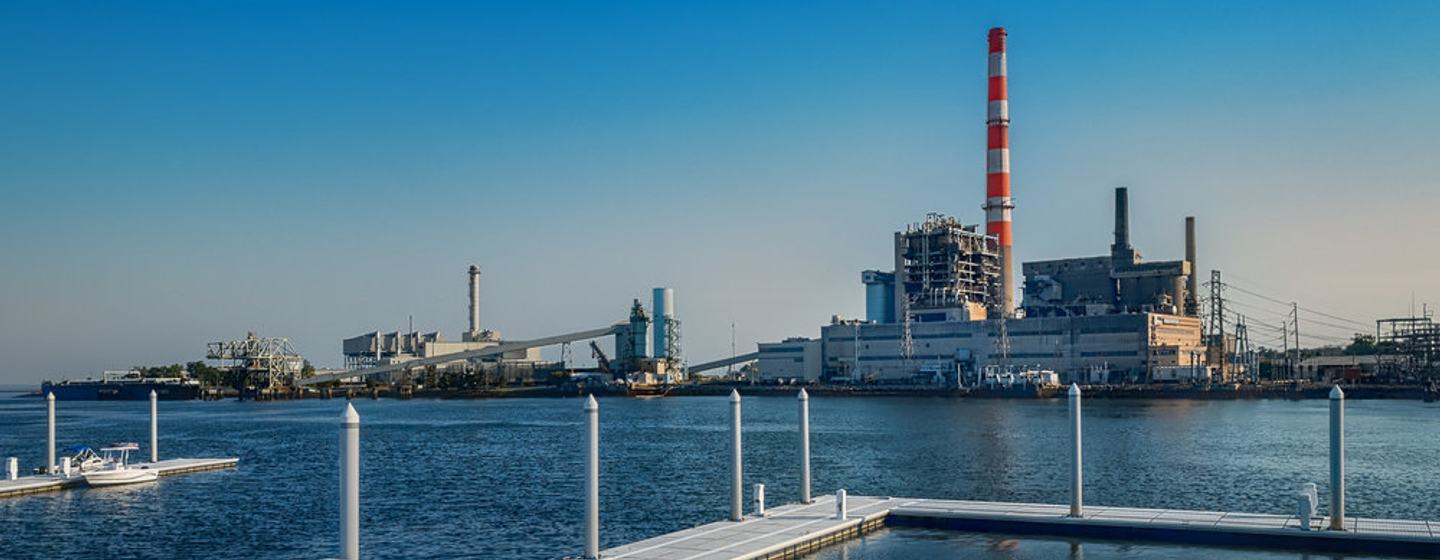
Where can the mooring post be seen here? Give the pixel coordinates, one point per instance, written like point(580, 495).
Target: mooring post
point(154, 429)
point(350, 484)
point(1076, 495)
point(50, 440)
point(736, 467)
point(841, 507)
point(12, 468)
point(804, 399)
point(592, 478)
point(759, 500)
point(1337, 459)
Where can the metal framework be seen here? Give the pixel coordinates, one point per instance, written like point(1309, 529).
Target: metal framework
point(264, 361)
point(1416, 339)
point(947, 264)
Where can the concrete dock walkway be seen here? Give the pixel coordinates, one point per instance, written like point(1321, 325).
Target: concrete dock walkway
point(793, 530)
point(50, 483)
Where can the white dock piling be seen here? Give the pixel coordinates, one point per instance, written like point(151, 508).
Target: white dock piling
point(736, 468)
point(841, 506)
point(804, 399)
point(592, 478)
point(1337, 459)
point(350, 484)
point(154, 429)
point(759, 500)
point(50, 441)
point(12, 469)
point(1076, 493)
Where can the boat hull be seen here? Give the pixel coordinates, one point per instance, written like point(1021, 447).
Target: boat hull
point(120, 391)
point(120, 477)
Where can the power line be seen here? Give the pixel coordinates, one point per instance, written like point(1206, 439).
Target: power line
point(1307, 309)
point(1332, 325)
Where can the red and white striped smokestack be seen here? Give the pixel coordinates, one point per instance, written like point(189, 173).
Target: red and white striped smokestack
point(997, 168)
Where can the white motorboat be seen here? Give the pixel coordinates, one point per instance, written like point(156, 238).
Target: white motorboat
point(116, 470)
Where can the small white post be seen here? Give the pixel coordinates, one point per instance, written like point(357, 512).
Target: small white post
point(736, 468)
point(760, 500)
point(154, 428)
point(350, 484)
point(592, 478)
point(804, 447)
point(12, 468)
point(65, 466)
point(1076, 485)
point(50, 441)
point(1337, 459)
point(841, 507)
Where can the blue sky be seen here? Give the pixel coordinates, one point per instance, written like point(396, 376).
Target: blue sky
point(177, 173)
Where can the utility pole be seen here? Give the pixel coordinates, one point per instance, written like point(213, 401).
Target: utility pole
point(1295, 315)
point(730, 369)
point(1285, 348)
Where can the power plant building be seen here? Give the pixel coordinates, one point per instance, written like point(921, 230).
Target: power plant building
point(377, 348)
point(945, 312)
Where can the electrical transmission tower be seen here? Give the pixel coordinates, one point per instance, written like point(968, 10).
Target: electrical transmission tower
point(1217, 320)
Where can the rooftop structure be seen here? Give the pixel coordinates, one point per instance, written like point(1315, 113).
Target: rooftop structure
point(1119, 283)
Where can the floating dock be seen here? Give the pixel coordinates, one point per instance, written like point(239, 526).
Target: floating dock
point(50, 483)
point(794, 530)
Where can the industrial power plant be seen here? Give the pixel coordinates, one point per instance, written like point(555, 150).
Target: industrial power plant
point(946, 312)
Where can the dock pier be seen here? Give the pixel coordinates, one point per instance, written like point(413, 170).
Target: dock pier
point(57, 475)
point(793, 530)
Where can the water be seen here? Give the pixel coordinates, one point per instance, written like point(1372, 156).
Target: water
point(501, 478)
point(912, 544)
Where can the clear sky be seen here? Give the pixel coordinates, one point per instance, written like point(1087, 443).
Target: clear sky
point(180, 173)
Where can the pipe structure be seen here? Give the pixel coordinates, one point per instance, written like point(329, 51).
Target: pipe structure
point(592, 478)
point(474, 302)
point(842, 505)
point(1192, 283)
point(804, 399)
point(1076, 494)
point(1337, 459)
point(998, 205)
point(736, 468)
point(664, 310)
point(50, 430)
point(350, 484)
point(154, 428)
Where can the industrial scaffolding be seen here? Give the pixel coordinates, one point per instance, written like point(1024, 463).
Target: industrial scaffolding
point(261, 361)
point(948, 264)
point(1415, 339)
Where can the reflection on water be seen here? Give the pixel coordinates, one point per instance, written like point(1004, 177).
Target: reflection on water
point(914, 544)
point(501, 479)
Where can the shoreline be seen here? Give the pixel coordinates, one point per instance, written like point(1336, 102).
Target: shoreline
point(1227, 392)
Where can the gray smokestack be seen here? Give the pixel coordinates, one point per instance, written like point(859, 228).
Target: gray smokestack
point(1192, 293)
point(474, 302)
point(1122, 221)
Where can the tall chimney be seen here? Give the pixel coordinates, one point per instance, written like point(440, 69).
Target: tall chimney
point(1192, 285)
point(998, 205)
point(474, 302)
point(1122, 221)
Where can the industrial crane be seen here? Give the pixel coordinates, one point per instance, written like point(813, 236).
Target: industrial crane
point(601, 360)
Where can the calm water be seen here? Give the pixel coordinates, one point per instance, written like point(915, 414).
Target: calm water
point(500, 479)
point(912, 544)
